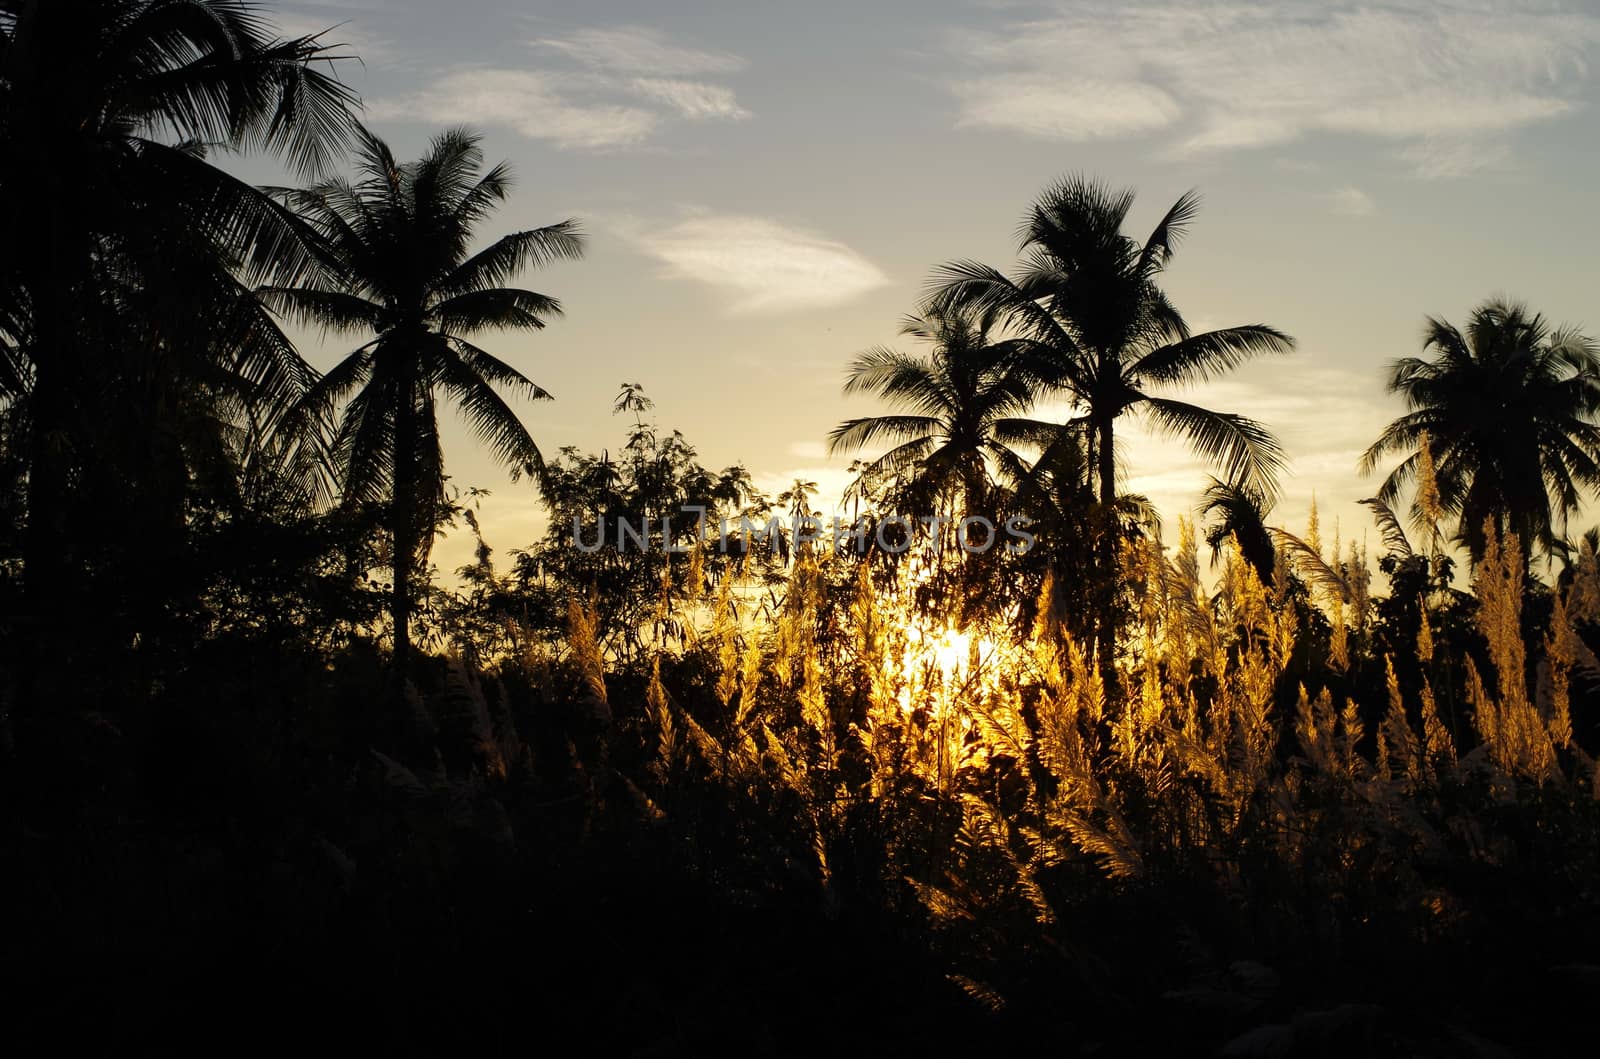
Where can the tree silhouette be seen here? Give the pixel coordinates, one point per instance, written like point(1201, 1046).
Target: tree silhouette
point(107, 111)
point(1099, 328)
point(1096, 326)
point(964, 412)
point(1509, 407)
point(398, 240)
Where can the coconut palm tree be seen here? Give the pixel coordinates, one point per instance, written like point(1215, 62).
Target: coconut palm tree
point(399, 240)
point(963, 411)
point(1094, 325)
point(107, 111)
point(1099, 329)
point(1508, 406)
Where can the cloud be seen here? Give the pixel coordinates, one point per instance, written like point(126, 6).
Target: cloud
point(692, 99)
point(808, 450)
point(530, 102)
point(602, 89)
point(1352, 202)
point(763, 266)
point(1221, 76)
point(639, 50)
point(1065, 109)
point(1443, 159)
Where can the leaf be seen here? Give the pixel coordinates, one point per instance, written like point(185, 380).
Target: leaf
point(1310, 564)
point(1394, 535)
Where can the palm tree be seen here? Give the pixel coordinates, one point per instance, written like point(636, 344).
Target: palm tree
point(1097, 327)
point(963, 406)
point(1508, 407)
point(1240, 514)
point(107, 111)
point(1094, 324)
point(399, 241)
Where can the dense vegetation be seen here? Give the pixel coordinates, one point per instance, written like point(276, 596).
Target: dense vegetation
point(711, 789)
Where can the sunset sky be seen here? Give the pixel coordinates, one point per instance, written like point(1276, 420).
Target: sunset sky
point(767, 186)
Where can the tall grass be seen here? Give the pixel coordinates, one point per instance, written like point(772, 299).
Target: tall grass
point(1002, 780)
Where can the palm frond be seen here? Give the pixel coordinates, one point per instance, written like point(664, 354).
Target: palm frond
point(1206, 356)
point(505, 258)
point(855, 434)
point(492, 309)
point(1158, 249)
point(1247, 451)
point(1389, 527)
point(491, 420)
point(1311, 564)
point(330, 310)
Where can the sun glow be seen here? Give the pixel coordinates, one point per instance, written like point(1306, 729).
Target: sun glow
point(945, 649)
point(931, 665)
point(952, 650)
point(954, 653)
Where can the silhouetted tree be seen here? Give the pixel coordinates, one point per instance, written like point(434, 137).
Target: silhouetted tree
point(1086, 299)
point(965, 406)
point(1509, 407)
point(107, 110)
point(398, 241)
point(1086, 302)
point(665, 497)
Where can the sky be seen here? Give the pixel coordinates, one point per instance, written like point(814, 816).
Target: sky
point(767, 186)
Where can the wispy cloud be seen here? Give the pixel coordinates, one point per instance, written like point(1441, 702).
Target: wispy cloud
point(808, 450)
point(692, 99)
point(592, 89)
point(760, 264)
point(1065, 108)
point(1352, 202)
point(1436, 159)
point(1222, 76)
point(639, 50)
point(532, 103)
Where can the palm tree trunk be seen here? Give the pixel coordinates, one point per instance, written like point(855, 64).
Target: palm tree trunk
point(1106, 575)
point(402, 518)
point(1107, 458)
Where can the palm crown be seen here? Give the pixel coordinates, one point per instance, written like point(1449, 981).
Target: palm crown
point(963, 405)
point(1095, 324)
